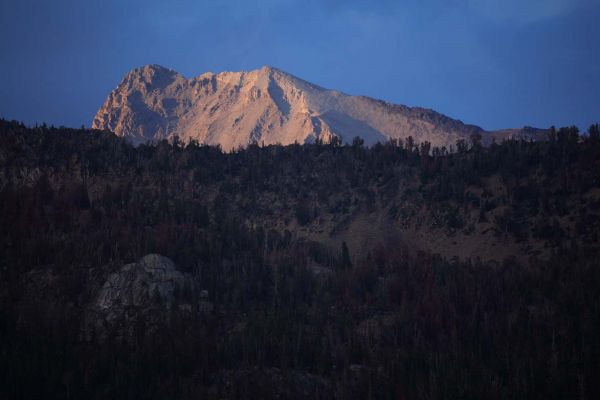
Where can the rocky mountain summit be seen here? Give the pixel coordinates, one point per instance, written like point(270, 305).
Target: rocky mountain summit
point(268, 106)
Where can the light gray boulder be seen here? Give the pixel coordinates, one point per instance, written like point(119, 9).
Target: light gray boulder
point(153, 280)
point(139, 295)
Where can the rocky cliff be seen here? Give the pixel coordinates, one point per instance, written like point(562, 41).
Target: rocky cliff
point(268, 106)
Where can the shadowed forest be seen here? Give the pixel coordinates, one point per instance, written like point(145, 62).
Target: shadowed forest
point(283, 299)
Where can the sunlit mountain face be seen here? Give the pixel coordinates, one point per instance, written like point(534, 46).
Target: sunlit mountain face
point(269, 106)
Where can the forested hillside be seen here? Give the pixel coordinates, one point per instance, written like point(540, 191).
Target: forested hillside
point(397, 271)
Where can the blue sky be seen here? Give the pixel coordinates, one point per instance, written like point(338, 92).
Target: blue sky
point(493, 63)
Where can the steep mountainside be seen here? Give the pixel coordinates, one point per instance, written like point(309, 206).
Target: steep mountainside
point(266, 106)
point(314, 271)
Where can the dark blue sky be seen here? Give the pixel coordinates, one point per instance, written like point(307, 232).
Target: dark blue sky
point(494, 63)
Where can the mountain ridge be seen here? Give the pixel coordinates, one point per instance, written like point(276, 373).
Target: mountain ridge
point(268, 105)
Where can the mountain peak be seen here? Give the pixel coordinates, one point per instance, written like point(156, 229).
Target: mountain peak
point(152, 76)
point(269, 69)
point(267, 105)
point(152, 69)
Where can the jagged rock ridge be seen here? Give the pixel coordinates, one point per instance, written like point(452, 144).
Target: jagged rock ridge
point(267, 106)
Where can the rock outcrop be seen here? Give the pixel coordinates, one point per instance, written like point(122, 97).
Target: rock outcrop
point(152, 279)
point(140, 294)
point(269, 106)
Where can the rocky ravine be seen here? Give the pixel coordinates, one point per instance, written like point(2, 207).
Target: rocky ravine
point(266, 106)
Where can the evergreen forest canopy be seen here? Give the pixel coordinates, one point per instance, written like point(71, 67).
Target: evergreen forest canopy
point(285, 296)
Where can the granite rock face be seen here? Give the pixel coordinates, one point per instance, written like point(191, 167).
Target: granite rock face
point(152, 279)
point(268, 106)
point(142, 293)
